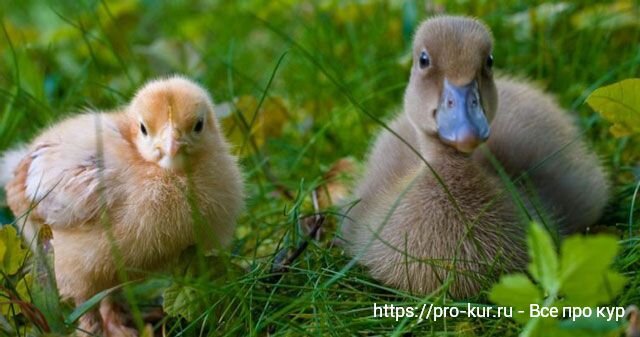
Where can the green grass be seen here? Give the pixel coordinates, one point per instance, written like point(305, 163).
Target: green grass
point(327, 70)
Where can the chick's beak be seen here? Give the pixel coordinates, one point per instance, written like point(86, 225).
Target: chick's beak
point(172, 142)
point(460, 117)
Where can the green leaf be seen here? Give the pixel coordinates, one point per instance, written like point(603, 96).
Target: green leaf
point(591, 326)
point(9, 309)
point(516, 291)
point(541, 327)
point(544, 261)
point(585, 276)
point(3, 251)
point(619, 103)
point(552, 327)
point(186, 301)
point(12, 253)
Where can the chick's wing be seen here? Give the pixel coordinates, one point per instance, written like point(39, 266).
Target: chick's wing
point(69, 173)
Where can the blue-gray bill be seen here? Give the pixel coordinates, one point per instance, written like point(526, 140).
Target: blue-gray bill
point(461, 119)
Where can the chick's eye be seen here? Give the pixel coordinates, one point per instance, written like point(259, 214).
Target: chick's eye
point(424, 60)
point(143, 129)
point(490, 61)
point(199, 126)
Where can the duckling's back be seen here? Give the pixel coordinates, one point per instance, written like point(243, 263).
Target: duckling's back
point(539, 144)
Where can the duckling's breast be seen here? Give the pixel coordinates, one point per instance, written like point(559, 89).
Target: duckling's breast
point(420, 231)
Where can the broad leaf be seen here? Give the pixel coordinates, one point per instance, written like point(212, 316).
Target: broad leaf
point(186, 301)
point(592, 326)
point(619, 103)
point(518, 292)
point(9, 309)
point(584, 274)
point(12, 252)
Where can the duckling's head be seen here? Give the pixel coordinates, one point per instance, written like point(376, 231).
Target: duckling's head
point(451, 93)
point(172, 121)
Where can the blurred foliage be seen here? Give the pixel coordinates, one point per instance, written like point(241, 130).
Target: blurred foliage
point(294, 82)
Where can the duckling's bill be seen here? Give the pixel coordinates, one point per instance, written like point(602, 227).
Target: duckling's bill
point(460, 117)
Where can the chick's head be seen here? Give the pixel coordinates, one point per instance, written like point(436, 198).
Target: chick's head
point(173, 121)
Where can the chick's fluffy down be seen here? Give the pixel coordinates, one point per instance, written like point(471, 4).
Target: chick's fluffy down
point(85, 178)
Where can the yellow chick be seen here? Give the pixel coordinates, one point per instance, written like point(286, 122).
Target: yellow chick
point(132, 187)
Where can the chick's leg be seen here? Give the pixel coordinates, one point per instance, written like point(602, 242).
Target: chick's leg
point(114, 319)
point(90, 324)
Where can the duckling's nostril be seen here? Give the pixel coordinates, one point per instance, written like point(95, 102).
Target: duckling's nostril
point(449, 103)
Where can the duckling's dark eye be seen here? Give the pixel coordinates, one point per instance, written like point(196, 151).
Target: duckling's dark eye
point(199, 126)
point(143, 129)
point(490, 61)
point(424, 60)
